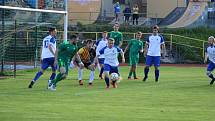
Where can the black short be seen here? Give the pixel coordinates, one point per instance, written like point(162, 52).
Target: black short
point(86, 64)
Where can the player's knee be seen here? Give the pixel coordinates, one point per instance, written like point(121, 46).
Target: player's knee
point(208, 73)
point(62, 70)
point(106, 73)
point(156, 68)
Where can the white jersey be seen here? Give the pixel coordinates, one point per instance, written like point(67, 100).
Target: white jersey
point(111, 55)
point(46, 53)
point(154, 43)
point(99, 45)
point(210, 50)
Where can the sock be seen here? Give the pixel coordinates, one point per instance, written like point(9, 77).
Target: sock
point(134, 72)
point(130, 74)
point(101, 71)
point(91, 76)
point(211, 76)
point(80, 73)
point(107, 81)
point(52, 76)
point(37, 76)
point(58, 78)
point(98, 66)
point(146, 71)
point(156, 74)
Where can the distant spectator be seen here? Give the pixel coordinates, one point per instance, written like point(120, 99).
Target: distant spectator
point(127, 14)
point(135, 14)
point(117, 10)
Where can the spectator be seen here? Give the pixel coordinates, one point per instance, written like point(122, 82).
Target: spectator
point(127, 14)
point(117, 11)
point(135, 14)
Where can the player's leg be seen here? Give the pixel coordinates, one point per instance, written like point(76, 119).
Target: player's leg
point(80, 75)
point(106, 72)
point(131, 67)
point(44, 66)
point(156, 60)
point(210, 68)
point(92, 73)
point(114, 69)
point(135, 62)
point(101, 62)
point(54, 68)
point(146, 69)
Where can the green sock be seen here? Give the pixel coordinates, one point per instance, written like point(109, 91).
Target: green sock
point(58, 78)
point(130, 74)
point(134, 72)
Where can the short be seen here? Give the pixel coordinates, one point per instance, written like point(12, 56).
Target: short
point(86, 65)
point(153, 60)
point(211, 66)
point(63, 63)
point(101, 60)
point(46, 62)
point(111, 69)
point(133, 60)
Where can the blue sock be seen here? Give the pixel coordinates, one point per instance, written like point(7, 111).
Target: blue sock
point(146, 71)
point(107, 81)
point(37, 76)
point(52, 77)
point(156, 74)
point(101, 71)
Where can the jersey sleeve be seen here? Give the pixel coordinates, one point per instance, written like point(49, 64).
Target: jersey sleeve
point(80, 51)
point(119, 50)
point(102, 50)
point(61, 47)
point(147, 39)
point(121, 37)
point(162, 39)
point(97, 42)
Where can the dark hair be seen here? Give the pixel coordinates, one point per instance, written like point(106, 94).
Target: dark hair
point(155, 27)
point(72, 36)
point(51, 29)
point(111, 39)
point(105, 32)
point(89, 41)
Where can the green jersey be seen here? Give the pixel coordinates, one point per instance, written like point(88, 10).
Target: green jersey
point(117, 36)
point(66, 51)
point(134, 47)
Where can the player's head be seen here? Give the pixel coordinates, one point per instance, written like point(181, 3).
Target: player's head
point(110, 42)
point(73, 39)
point(105, 34)
point(89, 43)
point(116, 26)
point(211, 40)
point(139, 35)
point(155, 29)
point(52, 31)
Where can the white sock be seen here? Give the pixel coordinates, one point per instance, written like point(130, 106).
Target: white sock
point(72, 66)
point(91, 76)
point(80, 73)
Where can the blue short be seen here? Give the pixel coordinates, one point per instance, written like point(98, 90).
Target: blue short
point(155, 60)
point(211, 66)
point(101, 60)
point(46, 62)
point(111, 69)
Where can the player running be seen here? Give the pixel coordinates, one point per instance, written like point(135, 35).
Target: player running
point(47, 56)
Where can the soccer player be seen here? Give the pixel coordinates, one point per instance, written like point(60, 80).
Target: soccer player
point(87, 55)
point(101, 43)
point(65, 52)
point(116, 35)
point(152, 51)
point(210, 53)
point(47, 56)
point(111, 60)
point(135, 46)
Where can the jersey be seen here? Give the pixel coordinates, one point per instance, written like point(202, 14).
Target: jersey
point(210, 50)
point(134, 47)
point(48, 41)
point(117, 36)
point(99, 45)
point(154, 42)
point(111, 55)
point(85, 54)
point(66, 51)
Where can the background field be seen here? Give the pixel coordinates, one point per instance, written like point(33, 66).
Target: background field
point(183, 94)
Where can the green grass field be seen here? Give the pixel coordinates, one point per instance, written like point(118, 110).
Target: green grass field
point(182, 94)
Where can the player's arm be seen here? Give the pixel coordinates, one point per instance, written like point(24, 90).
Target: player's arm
point(206, 57)
point(121, 40)
point(146, 48)
point(51, 49)
point(126, 48)
point(141, 49)
point(79, 60)
point(123, 57)
point(163, 49)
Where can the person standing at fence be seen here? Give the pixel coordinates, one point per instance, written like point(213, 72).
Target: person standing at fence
point(47, 56)
point(101, 43)
point(152, 51)
point(135, 14)
point(116, 35)
point(135, 46)
point(66, 51)
point(210, 54)
point(127, 14)
point(117, 10)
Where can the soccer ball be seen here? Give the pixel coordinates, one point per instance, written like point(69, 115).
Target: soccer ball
point(114, 76)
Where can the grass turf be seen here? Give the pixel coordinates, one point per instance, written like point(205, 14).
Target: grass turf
point(182, 94)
